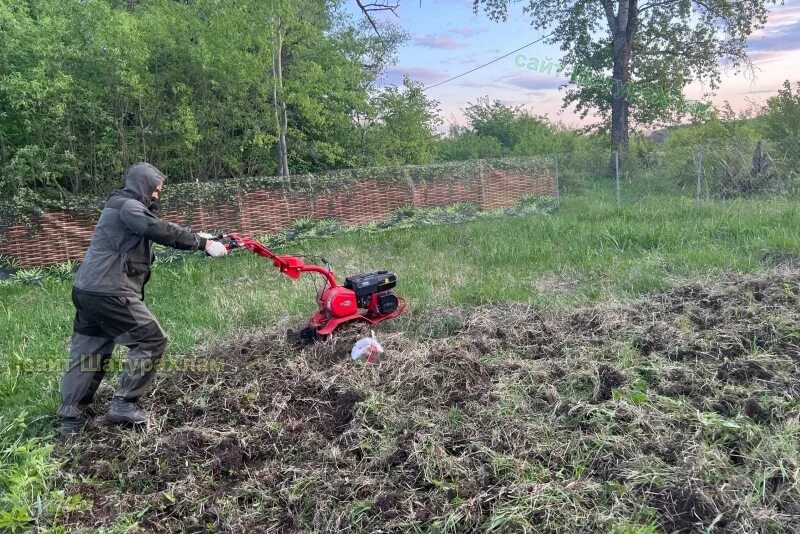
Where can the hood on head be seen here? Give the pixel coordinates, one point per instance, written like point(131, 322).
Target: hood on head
point(141, 180)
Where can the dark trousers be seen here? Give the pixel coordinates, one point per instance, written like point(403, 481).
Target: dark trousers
point(101, 323)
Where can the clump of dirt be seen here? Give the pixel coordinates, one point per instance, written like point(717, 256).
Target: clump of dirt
point(742, 372)
point(502, 417)
point(608, 379)
point(657, 338)
point(684, 509)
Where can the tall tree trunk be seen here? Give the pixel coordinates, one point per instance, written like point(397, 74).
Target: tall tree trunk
point(619, 96)
point(93, 152)
point(623, 27)
point(280, 103)
point(75, 176)
point(120, 110)
point(3, 150)
point(142, 130)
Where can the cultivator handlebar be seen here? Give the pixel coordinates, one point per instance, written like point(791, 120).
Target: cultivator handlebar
point(291, 266)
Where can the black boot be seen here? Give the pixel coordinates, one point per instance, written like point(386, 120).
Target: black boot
point(72, 426)
point(123, 411)
point(88, 410)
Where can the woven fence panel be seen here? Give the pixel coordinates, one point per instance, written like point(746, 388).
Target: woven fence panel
point(51, 238)
point(59, 236)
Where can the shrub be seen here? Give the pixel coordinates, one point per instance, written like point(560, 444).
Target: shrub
point(34, 275)
point(782, 127)
point(741, 169)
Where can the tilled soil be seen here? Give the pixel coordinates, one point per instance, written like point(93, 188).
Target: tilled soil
point(679, 411)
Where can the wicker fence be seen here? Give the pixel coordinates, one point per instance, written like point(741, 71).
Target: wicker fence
point(266, 206)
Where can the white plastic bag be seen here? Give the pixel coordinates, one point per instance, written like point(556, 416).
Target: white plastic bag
point(367, 348)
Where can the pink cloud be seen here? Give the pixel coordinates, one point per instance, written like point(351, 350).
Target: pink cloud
point(459, 61)
point(532, 82)
point(466, 33)
point(481, 85)
point(394, 75)
point(782, 15)
point(767, 57)
point(781, 38)
point(438, 41)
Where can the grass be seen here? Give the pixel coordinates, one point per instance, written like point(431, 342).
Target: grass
point(610, 418)
point(587, 253)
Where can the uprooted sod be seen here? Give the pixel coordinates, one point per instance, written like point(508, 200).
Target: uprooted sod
point(679, 411)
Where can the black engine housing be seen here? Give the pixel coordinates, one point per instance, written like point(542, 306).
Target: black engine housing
point(366, 285)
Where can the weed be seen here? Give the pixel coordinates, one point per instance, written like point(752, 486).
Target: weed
point(496, 358)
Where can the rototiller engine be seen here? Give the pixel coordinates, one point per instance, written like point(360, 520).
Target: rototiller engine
point(366, 297)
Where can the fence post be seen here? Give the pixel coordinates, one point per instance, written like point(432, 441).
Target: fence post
point(616, 169)
point(558, 185)
point(698, 160)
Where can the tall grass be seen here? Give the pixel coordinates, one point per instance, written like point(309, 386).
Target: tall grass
point(587, 252)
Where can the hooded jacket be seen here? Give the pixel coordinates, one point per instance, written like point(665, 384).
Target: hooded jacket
point(121, 251)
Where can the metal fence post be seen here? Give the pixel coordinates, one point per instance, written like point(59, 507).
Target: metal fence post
point(698, 160)
point(616, 167)
point(558, 184)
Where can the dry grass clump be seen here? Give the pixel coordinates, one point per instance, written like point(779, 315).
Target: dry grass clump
point(679, 413)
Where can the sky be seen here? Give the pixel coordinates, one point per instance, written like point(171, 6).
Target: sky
point(447, 39)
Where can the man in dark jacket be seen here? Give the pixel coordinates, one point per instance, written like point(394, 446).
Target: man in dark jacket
point(108, 295)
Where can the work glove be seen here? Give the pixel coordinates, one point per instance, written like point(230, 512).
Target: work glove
point(215, 249)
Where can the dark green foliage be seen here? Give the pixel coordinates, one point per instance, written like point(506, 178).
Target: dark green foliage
point(495, 129)
point(407, 217)
point(87, 88)
point(305, 228)
point(782, 125)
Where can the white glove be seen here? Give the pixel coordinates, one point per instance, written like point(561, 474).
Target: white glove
point(215, 249)
point(205, 235)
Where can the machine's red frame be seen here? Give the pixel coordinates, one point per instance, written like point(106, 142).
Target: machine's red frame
point(325, 320)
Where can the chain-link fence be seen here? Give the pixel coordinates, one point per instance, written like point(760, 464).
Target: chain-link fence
point(713, 171)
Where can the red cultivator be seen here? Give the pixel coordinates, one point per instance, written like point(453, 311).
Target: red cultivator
point(367, 297)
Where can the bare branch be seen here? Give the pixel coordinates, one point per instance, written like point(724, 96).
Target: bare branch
point(377, 6)
point(652, 5)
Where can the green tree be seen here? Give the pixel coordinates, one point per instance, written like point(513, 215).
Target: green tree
point(87, 88)
point(516, 129)
point(782, 124)
point(492, 118)
point(60, 68)
point(329, 66)
point(462, 144)
point(402, 130)
point(652, 49)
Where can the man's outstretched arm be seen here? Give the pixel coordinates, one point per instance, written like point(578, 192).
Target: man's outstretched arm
point(142, 222)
